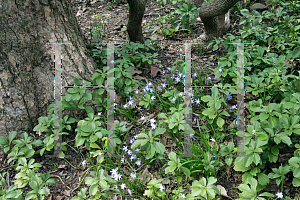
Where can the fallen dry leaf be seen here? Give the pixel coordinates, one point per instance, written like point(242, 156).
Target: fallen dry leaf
point(62, 166)
point(154, 71)
point(164, 140)
point(59, 198)
point(222, 190)
point(48, 197)
point(135, 71)
point(166, 181)
point(67, 193)
point(137, 77)
point(39, 131)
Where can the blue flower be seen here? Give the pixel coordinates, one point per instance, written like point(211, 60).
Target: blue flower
point(129, 192)
point(133, 175)
point(233, 107)
point(163, 85)
point(138, 163)
point(279, 195)
point(122, 160)
point(229, 97)
point(139, 108)
point(177, 79)
point(123, 186)
point(133, 157)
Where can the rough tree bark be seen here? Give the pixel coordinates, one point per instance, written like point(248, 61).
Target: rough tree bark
point(134, 25)
point(215, 16)
point(27, 63)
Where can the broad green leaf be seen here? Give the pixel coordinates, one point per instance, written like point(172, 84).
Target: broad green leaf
point(10, 194)
point(220, 122)
point(11, 136)
point(3, 141)
point(206, 98)
point(159, 131)
point(87, 128)
point(186, 171)
point(172, 156)
point(93, 189)
point(135, 144)
point(90, 180)
point(94, 145)
point(296, 172)
point(29, 153)
point(79, 141)
point(296, 182)
point(159, 147)
point(211, 180)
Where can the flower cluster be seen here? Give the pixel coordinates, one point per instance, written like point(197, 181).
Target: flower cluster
point(114, 173)
point(129, 103)
point(148, 88)
point(152, 122)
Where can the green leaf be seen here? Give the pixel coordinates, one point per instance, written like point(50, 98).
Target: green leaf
point(79, 141)
point(11, 194)
point(45, 191)
point(88, 109)
point(29, 153)
point(206, 98)
point(11, 136)
point(211, 180)
point(136, 143)
point(186, 171)
point(87, 129)
point(210, 112)
point(263, 179)
point(159, 131)
point(152, 151)
point(228, 160)
point(245, 12)
point(91, 181)
point(266, 194)
point(42, 151)
point(3, 141)
point(172, 156)
point(286, 139)
point(159, 148)
point(294, 54)
point(296, 173)
point(170, 169)
point(29, 195)
point(93, 189)
point(22, 160)
point(87, 96)
point(6, 149)
point(296, 182)
point(94, 145)
point(256, 62)
point(220, 122)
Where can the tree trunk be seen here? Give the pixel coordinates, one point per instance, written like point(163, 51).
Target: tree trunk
point(212, 13)
point(27, 63)
point(134, 25)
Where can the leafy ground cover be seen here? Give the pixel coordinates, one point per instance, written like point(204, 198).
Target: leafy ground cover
point(149, 115)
